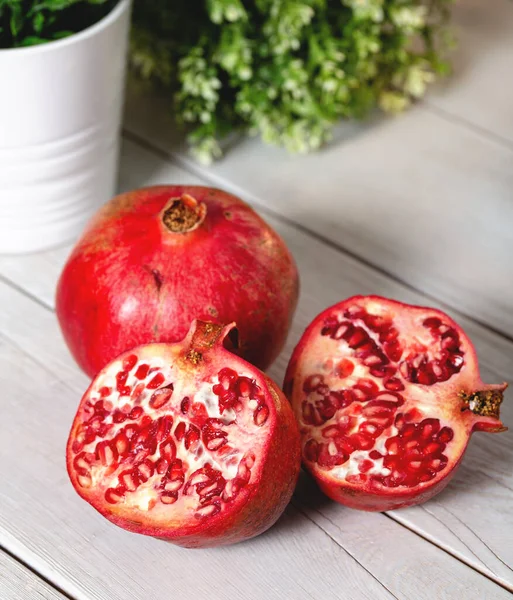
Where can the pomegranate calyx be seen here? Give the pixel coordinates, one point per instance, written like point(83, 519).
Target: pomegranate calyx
point(203, 336)
point(485, 403)
point(183, 214)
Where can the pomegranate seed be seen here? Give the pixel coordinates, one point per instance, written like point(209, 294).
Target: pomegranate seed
point(161, 397)
point(142, 371)
point(118, 417)
point(331, 431)
point(231, 490)
point(157, 381)
point(105, 391)
point(432, 448)
point(361, 441)
point(77, 446)
point(216, 443)
point(168, 497)
point(184, 406)
point(121, 378)
point(207, 511)
point(344, 368)
point(106, 453)
point(198, 477)
point(145, 470)
point(312, 383)
point(80, 464)
point(180, 431)
point(373, 360)
point(456, 361)
point(370, 429)
point(393, 446)
point(136, 412)
point(432, 323)
point(367, 386)
point(357, 338)
point(192, 437)
point(375, 455)
point(339, 332)
point(227, 377)
point(326, 459)
point(425, 376)
point(311, 450)
point(365, 465)
point(129, 363)
point(393, 384)
point(84, 480)
point(410, 443)
point(376, 322)
point(341, 399)
point(393, 350)
point(162, 466)
point(428, 427)
point(346, 444)
point(115, 495)
point(168, 450)
point(244, 387)
point(445, 435)
point(129, 480)
point(261, 415)
point(121, 444)
point(243, 472)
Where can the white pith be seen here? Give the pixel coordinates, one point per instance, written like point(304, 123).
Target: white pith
point(243, 435)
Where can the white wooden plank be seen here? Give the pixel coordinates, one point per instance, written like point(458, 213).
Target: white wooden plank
point(18, 583)
point(480, 90)
point(397, 566)
point(424, 199)
point(321, 268)
point(72, 546)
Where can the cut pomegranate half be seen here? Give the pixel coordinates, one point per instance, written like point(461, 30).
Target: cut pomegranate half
point(387, 396)
point(186, 442)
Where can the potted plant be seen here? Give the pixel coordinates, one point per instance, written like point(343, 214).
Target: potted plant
point(62, 71)
point(287, 70)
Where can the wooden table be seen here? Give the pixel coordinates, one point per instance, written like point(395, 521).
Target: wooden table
point(418, 208)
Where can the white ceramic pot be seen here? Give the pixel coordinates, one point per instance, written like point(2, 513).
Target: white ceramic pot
point(60, 118)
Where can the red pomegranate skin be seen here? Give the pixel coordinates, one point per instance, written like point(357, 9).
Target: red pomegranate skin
point(130, 280)
point(192, 367)
point(429, 371)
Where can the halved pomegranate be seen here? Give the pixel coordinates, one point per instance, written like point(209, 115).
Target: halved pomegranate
point(387, 396)
point(185, 442)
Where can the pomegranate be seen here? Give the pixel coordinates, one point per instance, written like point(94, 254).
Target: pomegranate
point(186, 442)
point(387, 396)
point(153, 260)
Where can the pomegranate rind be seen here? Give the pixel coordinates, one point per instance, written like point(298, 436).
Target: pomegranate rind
point(441, 400)
point(129, 281)
point(273, 475)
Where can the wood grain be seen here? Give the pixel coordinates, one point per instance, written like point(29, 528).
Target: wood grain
point(327, 276)
point(18, 583)
point(478, 92)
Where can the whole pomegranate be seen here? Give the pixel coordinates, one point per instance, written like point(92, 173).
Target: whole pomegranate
point(387, 396)
point(186, 442)
point(154, 259)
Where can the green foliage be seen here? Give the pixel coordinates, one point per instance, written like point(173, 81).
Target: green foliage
point(30, 22)
point(286, 70)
